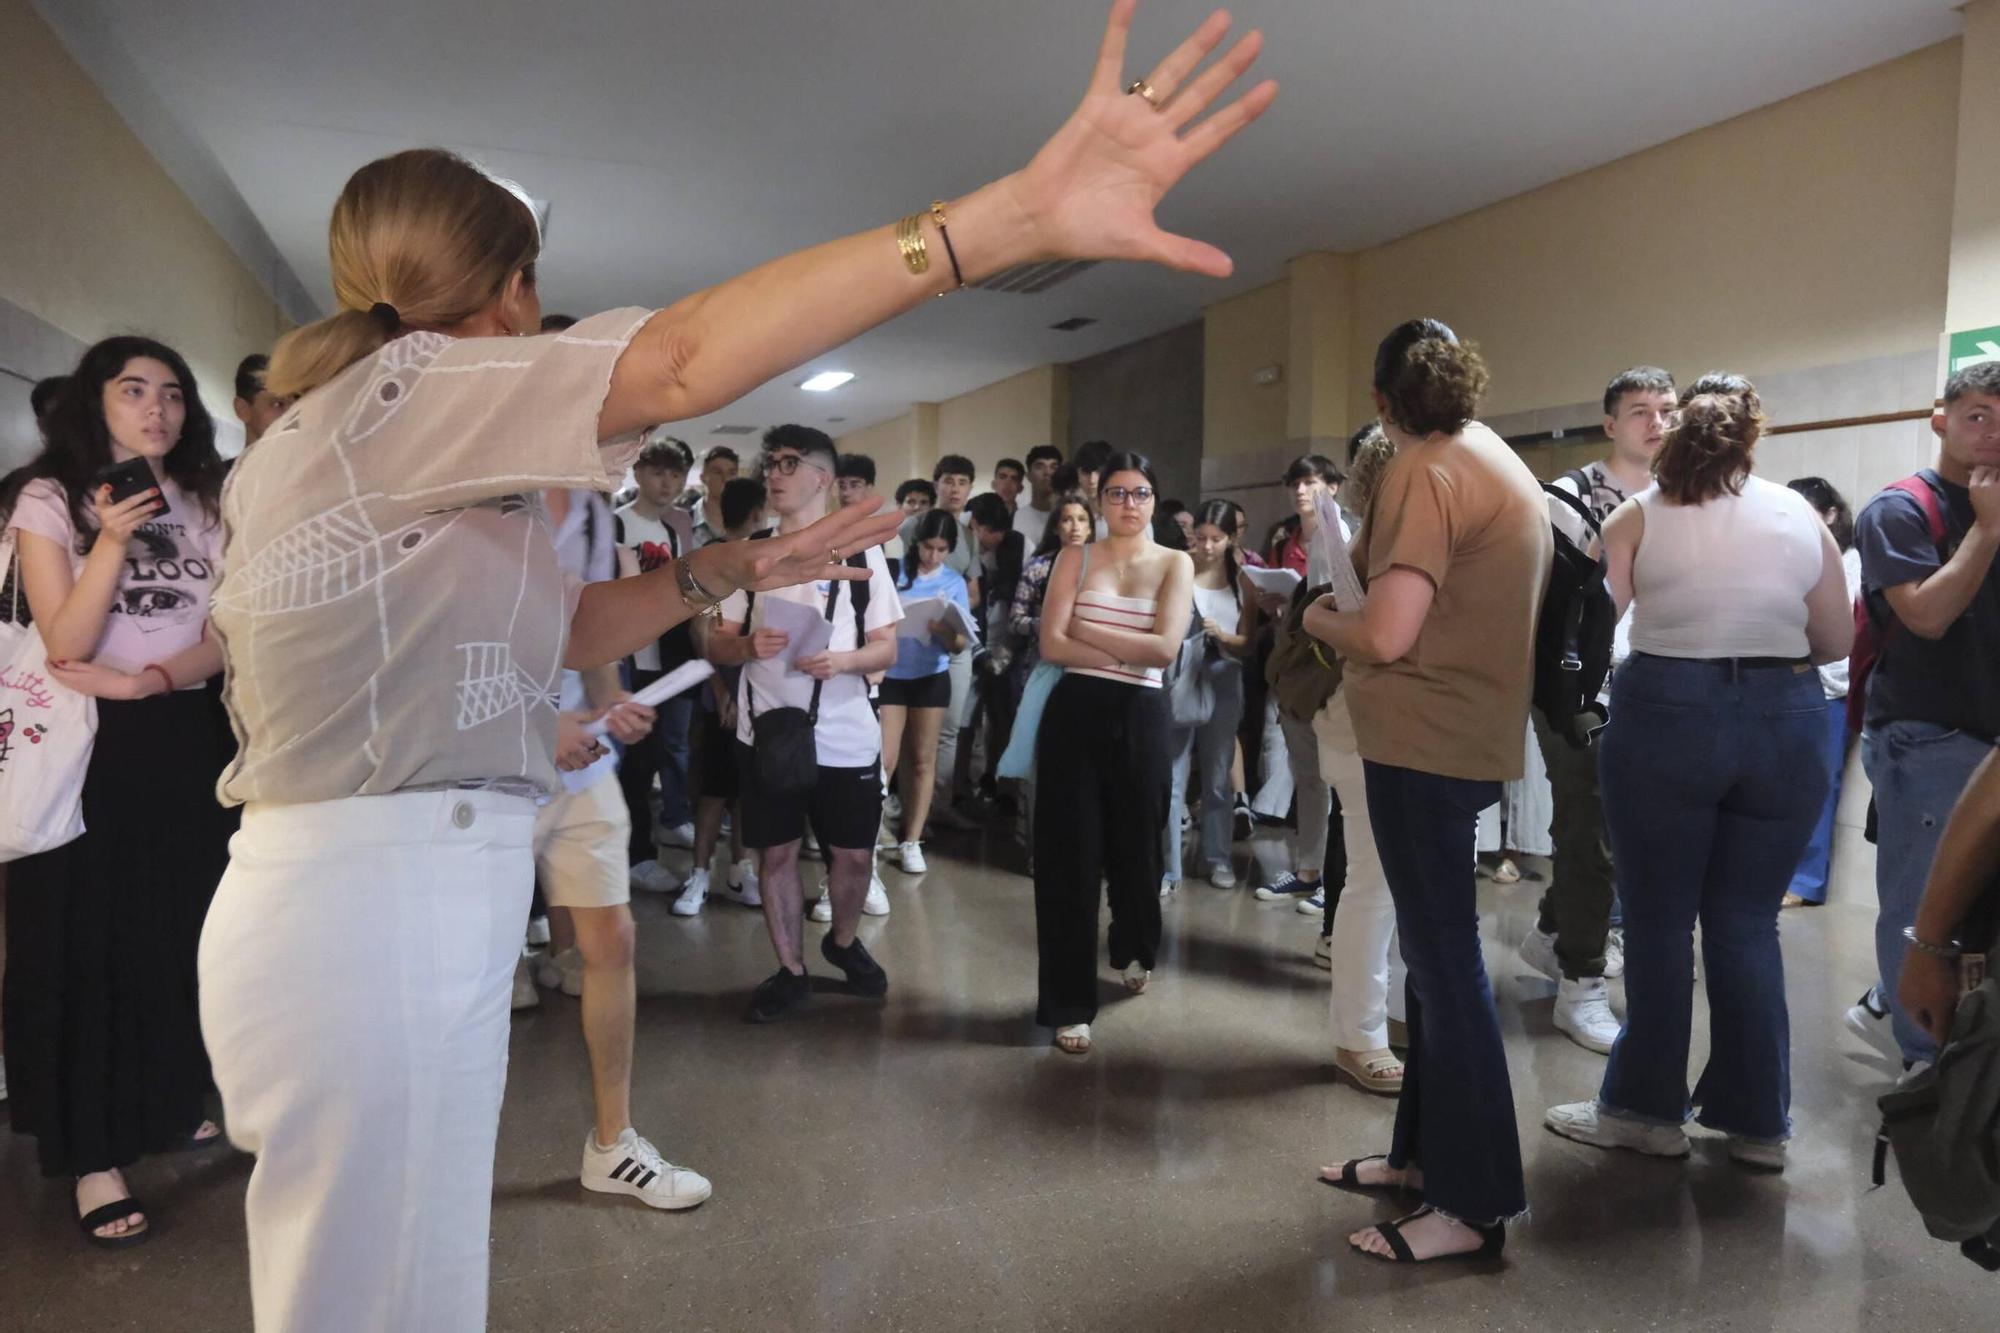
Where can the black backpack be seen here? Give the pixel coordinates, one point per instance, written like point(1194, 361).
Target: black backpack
point(1573, 634)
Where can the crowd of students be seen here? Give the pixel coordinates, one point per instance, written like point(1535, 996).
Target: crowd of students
point(431, 721)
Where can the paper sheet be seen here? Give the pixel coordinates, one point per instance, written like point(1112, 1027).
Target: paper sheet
point(1279, 582)
point(918, 615)
point(678, 681)
point(806, 630)
point(1331, 545)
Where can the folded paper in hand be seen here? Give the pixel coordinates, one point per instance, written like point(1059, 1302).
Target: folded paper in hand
point(678, 681)
point(918, 615)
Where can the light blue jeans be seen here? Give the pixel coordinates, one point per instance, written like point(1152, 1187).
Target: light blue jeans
point(1206, 755)
point(1918, 770)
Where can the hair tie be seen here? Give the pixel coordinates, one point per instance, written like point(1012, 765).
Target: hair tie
point(385, 314)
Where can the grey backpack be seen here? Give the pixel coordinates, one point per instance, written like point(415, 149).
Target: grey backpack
point(1944, 1126)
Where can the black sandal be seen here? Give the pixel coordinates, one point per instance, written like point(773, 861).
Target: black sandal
point(1493, 1239)
point(1350, 1178)
point(114, 1211)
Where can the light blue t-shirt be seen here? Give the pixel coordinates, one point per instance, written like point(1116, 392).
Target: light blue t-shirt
point(917, 658)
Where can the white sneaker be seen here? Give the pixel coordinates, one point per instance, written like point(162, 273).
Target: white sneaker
point(525, 996)
point(741, 887)
point(1614, 953)
point(1323, 952)
point(1583, 1010)
point(877, 901)
point(1222, 876)
point(822, 910)
point(654, 878)
point(693, 895)
point(673, 835)
point(633, 1166)
point(911, 857)
point(1582, 1121)
point(1763, 1153)
point(562, 971)
point(1868, 1018)
point(1538, 950)
point(538, 932)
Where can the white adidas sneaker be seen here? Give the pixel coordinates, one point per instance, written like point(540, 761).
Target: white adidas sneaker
point(633, 1166)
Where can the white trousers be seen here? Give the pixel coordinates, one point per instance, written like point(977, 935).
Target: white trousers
point(1527, 810)
point(1368, 971)
point(355, 972)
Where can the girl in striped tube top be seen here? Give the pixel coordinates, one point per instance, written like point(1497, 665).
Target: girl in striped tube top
point(1114, 617)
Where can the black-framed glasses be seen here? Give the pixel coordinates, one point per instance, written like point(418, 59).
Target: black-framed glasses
point(1127, 495)
point(786, 464)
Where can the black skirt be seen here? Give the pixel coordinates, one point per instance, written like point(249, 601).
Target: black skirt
point(105, 1061)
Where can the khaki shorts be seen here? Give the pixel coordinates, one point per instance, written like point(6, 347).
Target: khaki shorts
point(581, 845)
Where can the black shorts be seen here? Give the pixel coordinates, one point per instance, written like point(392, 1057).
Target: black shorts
point(923, 692)
point(844, 807)
point(712, 756)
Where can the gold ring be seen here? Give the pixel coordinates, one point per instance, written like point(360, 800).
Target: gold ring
point(833, 555)
point(1145, 90)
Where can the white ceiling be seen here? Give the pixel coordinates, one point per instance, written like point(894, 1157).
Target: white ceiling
point(681, 142)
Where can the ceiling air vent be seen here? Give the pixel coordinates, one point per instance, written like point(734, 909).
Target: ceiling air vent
point(1073, 323)
point(734, 430)
point(1031, 279)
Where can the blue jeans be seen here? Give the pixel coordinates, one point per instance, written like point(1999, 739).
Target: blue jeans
point(1207, 753)
point(1713, 776)
point(1455, 1117)
point(1809, 880)
point(1918, 770)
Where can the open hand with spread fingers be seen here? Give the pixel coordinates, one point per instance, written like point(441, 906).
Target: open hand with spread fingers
point(1091, 190)
point(809, 555)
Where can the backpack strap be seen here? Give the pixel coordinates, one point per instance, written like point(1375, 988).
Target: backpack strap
point(1919, 488)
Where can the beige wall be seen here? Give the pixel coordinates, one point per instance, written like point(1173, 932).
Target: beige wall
point(1243, 334)
point(1813, 232)
point(98, 239)
point(1003, 420)
point(1975, 238)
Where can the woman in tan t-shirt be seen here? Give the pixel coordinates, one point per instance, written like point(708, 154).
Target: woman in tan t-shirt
point(394, 625)
point(1437, 672)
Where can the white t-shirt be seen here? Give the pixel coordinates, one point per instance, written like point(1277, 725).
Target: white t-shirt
point(640, 534)
point(848, 734)
point(1031, 522)
point(585, 551)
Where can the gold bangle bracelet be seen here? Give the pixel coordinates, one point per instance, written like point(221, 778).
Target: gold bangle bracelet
point(910, 240)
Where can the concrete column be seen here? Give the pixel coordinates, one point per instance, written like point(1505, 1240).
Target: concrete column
point(1973, 297)
point(1318, 415)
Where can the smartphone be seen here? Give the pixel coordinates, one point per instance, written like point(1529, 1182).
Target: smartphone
point(132, 477)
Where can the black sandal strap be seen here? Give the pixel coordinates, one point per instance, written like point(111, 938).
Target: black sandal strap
point(1350, 1176)
point(1393, 1233)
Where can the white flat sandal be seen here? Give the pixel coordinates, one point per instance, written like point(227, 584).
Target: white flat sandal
point(1136, 978)
point(1078, 1037)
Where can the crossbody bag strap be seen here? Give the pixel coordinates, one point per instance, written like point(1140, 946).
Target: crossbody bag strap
point(832, 593)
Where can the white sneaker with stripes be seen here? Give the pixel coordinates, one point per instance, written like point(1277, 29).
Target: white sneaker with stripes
point(633, 1166)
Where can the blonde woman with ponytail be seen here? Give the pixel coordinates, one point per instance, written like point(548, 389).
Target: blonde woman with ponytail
point(394, 625)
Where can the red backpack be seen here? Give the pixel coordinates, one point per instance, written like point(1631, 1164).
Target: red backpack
point(1867, 646)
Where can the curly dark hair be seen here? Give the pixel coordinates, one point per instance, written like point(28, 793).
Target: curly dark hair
point(1707, 451)
point(1431, 382)
point(78, 443)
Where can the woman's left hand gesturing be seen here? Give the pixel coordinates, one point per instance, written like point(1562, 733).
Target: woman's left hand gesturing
point(104, 683)
point(806, 556)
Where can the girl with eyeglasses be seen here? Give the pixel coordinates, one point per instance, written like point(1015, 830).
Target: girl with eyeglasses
point(1115, 615)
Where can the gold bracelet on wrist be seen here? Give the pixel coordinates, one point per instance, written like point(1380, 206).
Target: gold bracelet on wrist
point(910, 240)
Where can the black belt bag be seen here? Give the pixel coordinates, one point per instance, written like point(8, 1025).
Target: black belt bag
point(784, 756)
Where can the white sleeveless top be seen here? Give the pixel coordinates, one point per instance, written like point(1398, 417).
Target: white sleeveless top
point(1114, 612)
point(1726, 578)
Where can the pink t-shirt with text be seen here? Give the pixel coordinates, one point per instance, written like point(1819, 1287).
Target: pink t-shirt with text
point(171, 567)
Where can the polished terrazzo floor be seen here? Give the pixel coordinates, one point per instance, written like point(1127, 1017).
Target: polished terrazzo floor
point(932, 1163)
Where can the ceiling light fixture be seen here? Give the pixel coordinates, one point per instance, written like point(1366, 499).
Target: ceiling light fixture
point(826, 381)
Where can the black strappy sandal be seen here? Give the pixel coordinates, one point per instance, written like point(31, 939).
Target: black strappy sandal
point(111, 1212)
point(1493, 1240)
point(1350, 1178)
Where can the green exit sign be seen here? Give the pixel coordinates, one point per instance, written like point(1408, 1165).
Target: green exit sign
point(1974, 347)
